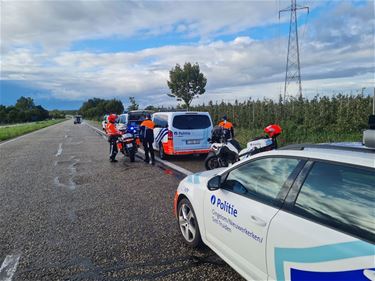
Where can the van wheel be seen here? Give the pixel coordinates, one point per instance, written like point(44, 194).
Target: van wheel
point(188, 224)
point(162, 154)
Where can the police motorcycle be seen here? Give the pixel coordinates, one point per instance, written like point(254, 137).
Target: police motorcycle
point(226, 151)
point(126, 143)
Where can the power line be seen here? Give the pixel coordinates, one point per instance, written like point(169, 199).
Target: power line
point(293, 68)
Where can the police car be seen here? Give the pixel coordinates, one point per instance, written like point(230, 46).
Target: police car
point(182, 133)
point(306, 212)
point(104, 122)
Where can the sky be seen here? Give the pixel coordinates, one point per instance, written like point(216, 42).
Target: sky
point(62, 53)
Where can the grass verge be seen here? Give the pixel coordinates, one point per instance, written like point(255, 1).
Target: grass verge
point(11, 131)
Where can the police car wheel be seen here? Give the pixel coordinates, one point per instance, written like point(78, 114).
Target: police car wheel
point(161, 152)
point(188, 224)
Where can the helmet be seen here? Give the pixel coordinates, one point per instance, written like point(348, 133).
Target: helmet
point(112, 118)
point(148, 116)
point(224, 117)
point(273, 130)
point(216, 134)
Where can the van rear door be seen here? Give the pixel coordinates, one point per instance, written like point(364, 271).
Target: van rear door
point(191, 131)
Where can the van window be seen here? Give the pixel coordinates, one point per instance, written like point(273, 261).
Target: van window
point(161, 120)
point(191, 122)
point(136, 116)
point(341, 197)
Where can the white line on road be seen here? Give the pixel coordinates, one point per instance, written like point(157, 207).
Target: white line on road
point(165, 163)
point(9, 267)
point(59, 151)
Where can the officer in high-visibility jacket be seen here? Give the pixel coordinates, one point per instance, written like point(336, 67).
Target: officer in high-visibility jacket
point(113, 135)
point(147, 137)
point(228, 126)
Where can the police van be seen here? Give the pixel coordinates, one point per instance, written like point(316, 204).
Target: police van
point(131, 119)
point(305, 212)
point(182, 133)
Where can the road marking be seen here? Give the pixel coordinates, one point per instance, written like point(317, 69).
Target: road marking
point(9, 267)
point(165, 163)
point(32, 133)
point(59, 151)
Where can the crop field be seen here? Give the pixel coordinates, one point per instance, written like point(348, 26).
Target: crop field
point(15, 130)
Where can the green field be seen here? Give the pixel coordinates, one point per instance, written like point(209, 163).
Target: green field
point(15, 130)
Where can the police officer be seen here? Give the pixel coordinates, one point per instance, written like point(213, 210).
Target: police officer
point(113, 135)
point(147, 136)
point(226, 125)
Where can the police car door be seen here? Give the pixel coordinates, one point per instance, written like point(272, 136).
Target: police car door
point(327, 232)
point(237, 215)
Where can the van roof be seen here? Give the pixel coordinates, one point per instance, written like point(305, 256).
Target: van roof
point(182, 112)
point(139, 111)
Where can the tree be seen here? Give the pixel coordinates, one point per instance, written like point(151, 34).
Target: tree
point(151, 107)
point(56, 114)
point(25, 103)
point(186, 83)
point(133, 104)
point(3, 113)
point(95, 108)
point(114, 106)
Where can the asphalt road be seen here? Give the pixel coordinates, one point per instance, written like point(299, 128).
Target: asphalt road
point(67, 213)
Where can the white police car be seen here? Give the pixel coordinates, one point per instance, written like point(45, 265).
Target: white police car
point(301, 213)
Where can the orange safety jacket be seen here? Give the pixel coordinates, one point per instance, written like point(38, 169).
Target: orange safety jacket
point(148, 124)
point(112, 130)
point(226, 125)
point(147, 130)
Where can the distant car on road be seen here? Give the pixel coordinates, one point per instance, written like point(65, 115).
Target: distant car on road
point(77, 119)
point(299, 213)
point(182, 133)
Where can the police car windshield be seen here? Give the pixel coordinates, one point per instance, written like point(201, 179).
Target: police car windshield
point(191, 122)
point(122, 119)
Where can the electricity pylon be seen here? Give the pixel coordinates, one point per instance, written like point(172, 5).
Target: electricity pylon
point(293, 69)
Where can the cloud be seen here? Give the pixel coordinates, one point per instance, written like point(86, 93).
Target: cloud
point(59, 23)
point(239, 68)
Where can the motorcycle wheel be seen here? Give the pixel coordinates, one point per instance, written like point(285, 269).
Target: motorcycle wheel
point(211, 162)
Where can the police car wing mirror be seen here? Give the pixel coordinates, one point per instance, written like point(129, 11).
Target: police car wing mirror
point(214, 183)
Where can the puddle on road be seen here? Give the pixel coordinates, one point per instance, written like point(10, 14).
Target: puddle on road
point(171, 172)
